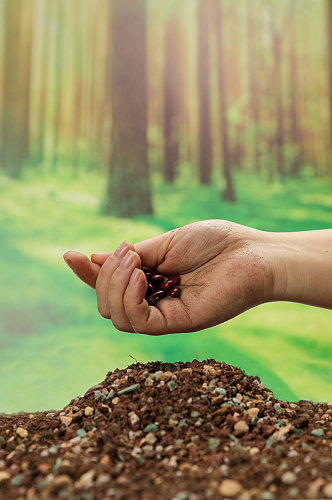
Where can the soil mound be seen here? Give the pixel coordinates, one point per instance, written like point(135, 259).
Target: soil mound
point(196, 430)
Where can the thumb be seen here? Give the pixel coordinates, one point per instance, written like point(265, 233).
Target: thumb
point(86, 270)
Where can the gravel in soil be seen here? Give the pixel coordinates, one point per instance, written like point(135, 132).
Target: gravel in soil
point(196, 430)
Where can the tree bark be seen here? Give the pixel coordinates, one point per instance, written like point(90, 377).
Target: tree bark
point(40, 147)
point(16, 87)
point(129, 191)
point(329, 52)
point(228, 193)
point(253, 81)
point(171, 100)
point(205, 150)
point(279, 137)
point(293, 80)
point(58, 82)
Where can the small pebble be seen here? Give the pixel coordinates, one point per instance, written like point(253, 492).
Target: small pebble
point(318, 433)
point(23, 433)
point(288, 477)
point(230, 488)
point(213, 443)
point(293, 492)
point(241, 426)
point(172, 385)
point(88, 411)
point(81, 433)
point(128, 389)
point(151, 428)
point(253, 451)
point(327, 490)
point(267, 495)
point(16, 480)
point(150, 438)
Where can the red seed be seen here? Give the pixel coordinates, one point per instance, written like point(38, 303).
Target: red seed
point(155, 297)
point(175, 279)
point(146, 269)
point(150, 289)
point(175, 292)
point(93, 389)
point(157, 278)
point(166, 286)
point(148, 276)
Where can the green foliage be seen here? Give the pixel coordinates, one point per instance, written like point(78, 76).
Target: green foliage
point(53, 342)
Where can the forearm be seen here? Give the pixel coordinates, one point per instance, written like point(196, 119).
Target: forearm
point(302, 266)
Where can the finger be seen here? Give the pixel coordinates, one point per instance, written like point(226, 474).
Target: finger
point(117, 288)
point(84, 269)
point(153, 251)
point(105, 276)
point(143, 318)
point(101, 257)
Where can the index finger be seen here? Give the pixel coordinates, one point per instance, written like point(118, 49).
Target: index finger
point(84, 269)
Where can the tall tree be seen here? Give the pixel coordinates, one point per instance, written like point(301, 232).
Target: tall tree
point(293, 84)
point(329, 52)
point(279, 112)
point(205, 150)
point(58, 80)
point(43, 72)
point(253, 79)
point(16, 86)
point(128, 191)
point(228, 193)
point(171, 90)
point(78, 86)
point(25, 76)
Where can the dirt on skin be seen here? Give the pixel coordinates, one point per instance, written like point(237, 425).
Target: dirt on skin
point(196, 430)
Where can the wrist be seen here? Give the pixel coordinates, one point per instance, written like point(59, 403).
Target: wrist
point(300, 269)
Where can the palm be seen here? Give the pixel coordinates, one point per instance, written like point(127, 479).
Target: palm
point(216, 268)
point(222, 274)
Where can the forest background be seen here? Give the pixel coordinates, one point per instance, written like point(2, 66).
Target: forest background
point(122, 119)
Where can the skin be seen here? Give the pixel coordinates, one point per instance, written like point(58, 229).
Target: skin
point(225, 269)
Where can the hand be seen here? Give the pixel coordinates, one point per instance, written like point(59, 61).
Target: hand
point(224, 271)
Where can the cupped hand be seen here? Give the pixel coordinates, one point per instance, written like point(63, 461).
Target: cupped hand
point(224, 271)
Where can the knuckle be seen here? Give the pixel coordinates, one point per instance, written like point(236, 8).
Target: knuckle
point(121, 328)
point(103, 313)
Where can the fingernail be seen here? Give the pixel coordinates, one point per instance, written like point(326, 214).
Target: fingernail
point(70, 264)
point(127, 261)
point(121, 250)
point(134, 277)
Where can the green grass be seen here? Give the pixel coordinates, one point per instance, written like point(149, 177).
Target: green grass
point(53, 343)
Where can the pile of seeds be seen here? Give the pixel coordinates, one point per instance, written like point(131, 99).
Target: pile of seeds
point(175, 431)
point(160, 286)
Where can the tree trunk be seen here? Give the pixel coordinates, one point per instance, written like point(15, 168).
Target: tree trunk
point(329, 52)
point(205, 152)
point(129, 191)
point(40, 147)
point(25, 76)
point(171, 100)
point(228, 193)
point(58, 81)
point(78, 89)
point(279, 138)
point(253, 81)
point(293, 81)
point(16, 87)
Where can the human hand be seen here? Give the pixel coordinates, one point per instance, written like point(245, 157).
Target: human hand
point(224, 271)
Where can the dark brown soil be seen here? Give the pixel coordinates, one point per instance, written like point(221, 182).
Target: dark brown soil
point(196, 431)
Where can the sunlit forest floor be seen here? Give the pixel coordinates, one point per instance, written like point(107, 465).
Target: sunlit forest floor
point(54, 344)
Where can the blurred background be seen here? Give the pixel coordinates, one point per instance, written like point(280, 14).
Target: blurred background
point(122, 119)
